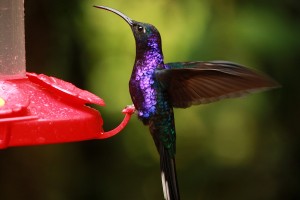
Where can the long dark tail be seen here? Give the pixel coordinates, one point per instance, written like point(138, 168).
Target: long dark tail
point(168, 175)
point(162, 128)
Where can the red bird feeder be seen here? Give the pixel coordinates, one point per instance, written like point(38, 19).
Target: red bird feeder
point(38, 109)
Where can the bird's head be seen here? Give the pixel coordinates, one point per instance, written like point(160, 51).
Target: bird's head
point(146, 35)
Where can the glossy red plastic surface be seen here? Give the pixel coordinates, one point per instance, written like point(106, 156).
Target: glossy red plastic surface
point(40, 110)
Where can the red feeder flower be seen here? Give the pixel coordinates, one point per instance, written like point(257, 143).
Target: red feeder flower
point(38, 109)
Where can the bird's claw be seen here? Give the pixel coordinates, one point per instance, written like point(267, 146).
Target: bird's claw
point(129, 109)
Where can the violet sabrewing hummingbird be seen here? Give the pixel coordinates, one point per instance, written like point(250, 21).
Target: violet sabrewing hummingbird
point(156, 87)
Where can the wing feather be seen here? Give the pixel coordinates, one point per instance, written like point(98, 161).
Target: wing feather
point(205, 82)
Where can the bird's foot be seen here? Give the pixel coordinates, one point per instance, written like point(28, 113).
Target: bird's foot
point(129, 109)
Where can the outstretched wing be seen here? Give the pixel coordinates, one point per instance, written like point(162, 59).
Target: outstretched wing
point(193, 83)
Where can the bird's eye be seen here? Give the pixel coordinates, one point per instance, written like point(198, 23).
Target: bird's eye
point(140, 29)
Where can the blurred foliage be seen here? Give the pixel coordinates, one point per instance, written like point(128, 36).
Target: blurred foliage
point(235, 149)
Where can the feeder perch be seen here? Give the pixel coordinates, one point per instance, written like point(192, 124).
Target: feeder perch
point(38, 109)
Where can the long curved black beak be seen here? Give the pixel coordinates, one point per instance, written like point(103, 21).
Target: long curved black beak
point(127, 19)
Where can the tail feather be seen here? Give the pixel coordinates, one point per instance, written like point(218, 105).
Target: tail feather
point(168, 176)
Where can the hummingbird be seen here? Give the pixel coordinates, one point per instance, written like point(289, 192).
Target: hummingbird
point(156, 88)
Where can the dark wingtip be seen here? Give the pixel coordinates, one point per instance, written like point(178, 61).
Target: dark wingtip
point(275, 84)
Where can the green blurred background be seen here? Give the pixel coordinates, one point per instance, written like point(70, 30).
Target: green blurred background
point(236, 149)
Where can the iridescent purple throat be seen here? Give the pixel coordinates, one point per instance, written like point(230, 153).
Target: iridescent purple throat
point(143, 87)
